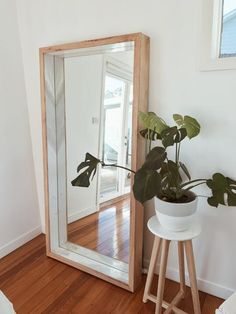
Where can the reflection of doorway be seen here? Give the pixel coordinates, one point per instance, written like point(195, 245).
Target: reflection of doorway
point(117, 132)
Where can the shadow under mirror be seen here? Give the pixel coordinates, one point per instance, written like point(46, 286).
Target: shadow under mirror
point(98, 103)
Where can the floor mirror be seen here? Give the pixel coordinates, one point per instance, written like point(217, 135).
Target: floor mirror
point(92, 92)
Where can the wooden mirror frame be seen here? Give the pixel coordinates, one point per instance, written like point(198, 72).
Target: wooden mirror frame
point(140, 103)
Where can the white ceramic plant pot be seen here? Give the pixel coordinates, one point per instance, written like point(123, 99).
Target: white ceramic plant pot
point(176, 216)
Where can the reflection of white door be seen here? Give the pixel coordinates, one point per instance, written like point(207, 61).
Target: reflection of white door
point(82, 75)
point(116, 135)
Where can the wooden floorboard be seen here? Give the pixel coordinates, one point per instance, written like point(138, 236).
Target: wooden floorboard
point(37, 284)
point(106, 232)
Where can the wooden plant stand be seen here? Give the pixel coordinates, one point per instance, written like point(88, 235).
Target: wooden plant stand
point(161, 244)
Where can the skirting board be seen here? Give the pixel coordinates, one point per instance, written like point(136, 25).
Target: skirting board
point(81, 213)
point(203, 285)
point(19, 241)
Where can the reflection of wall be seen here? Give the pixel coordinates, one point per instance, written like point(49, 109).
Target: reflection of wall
point(176, 86)
point(19, 215)
point(83, 87)
point(126, 57)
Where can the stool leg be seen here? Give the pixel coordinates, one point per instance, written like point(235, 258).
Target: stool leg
point(162, 275)
point(192, 276)
point(151, 269)
point(181, 267)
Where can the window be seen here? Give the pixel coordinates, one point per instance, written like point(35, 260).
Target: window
point(218, 36)
point(228, 29)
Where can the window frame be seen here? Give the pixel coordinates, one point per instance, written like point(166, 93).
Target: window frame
point(210, 59)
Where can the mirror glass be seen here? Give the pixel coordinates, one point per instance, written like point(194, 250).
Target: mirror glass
point(91, 111)
point(228, 29)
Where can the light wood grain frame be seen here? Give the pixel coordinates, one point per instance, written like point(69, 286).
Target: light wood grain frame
point(140, 103)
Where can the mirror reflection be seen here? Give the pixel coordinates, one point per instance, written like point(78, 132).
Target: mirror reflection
point(98, 96)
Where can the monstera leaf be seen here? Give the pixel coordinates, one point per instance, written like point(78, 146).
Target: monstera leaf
point(153, 122)
point(190, 124)
point(173, 135)
point(170, 174)
point(89, 167)
point(147, 184)
point(150, 134)
point(223, 190)
point(171, 180)
point(155, 158)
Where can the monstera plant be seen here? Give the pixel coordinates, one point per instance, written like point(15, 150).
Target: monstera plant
point(168, 181)
point(160, 177)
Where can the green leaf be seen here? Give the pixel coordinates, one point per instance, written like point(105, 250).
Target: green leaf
point(231, 199)
point(147, 184)
point(170, 175)
point(212, 201)
point(190, 124)
point(155, 158)
point(164, 182)
point(175, 178)
point(82, 180)
point(150, 134)
point(178, 119)
point(153, 122)
point(90, 167)
point(232, 182)
point(164, 170)
point(185, 170)
point(180, 135)
point(168, 136)
point(173, 135)
point(170, 180)
point(223, 190)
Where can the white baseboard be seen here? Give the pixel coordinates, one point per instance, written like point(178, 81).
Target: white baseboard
point(19, 241)
point(81, 213)
point(203, 285)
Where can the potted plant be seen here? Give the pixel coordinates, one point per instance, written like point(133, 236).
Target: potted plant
point(166, 180)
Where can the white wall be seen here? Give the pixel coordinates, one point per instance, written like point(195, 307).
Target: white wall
point(176, 86)
point(19, 214)
point(83, 88)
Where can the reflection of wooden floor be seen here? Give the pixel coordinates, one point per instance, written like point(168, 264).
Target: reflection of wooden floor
point(106, 232)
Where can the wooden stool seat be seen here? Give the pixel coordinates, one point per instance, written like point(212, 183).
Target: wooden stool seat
point(161, 245)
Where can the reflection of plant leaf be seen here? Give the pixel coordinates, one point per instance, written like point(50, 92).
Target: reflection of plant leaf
point(152, 121)
point(155, 158)
point(185, 170)
point(150, 134)
point(147, 184)
point(190, 124)
point(90, 167)
point(223, 190)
